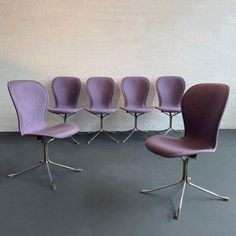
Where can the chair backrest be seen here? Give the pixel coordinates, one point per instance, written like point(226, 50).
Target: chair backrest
point(170, 90)
point(135, 91)
point(30, 99)
point(202, 108)
point(100, 91)
point(66, 91)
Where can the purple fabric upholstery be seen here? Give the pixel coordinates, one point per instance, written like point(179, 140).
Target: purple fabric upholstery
point(100, 91)
point(135, 91)
point(63, 130)
point(31, 99)
point(66, 91)
point(101, 110)
point(64, 110)
point(202, 108)
point(170, 90)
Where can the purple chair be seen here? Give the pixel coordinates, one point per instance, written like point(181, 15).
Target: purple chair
point(31, 100)
point(66, 91)
point(170, 90)
point(202, 107)
point(135, 91)
point(100, 91)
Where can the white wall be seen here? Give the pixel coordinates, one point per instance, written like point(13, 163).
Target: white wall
point(42, 39)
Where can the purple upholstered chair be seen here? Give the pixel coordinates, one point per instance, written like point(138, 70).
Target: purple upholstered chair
point(31, 100)
point(66, 91)
point(170, 90)
point(135, 91)
point(202, 107)
point(100, 91)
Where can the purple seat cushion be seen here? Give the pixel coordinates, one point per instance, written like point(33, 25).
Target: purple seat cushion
point(101, 110)
point(64, 110)
point(168, 146)
point(134, 109)
point(169, 109)
point(63, 130)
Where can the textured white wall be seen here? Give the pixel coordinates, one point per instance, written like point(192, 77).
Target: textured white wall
point(42, 39)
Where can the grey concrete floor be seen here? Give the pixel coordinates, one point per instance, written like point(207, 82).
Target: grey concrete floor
point(104, 199)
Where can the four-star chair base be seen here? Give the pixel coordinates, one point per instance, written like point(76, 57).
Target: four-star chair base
point(46, 161)
point(135, 129)
point(185, 181)
point(170, 127)
point(101, 130)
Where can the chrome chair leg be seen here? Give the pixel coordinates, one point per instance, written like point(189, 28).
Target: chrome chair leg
point(74, 140)
point(130, 134)
point(177, 213)
point(25, 170)
point(94, 137)
point(64, 166)
point(115, 140)
point(142, 132)
point(52, 184)
point(207, 191)
point(167, 131)
point(161, 187)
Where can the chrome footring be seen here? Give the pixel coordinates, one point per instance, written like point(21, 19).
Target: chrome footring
point(186, 181)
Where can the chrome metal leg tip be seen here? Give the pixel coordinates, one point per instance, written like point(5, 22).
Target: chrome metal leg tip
point(117, 141)
point(176, 216)
point(53, 186)
point(74, 140)
point(11, 176)
point(88, 142)
point(226, 199)
point(144, 191)
point(78, 170)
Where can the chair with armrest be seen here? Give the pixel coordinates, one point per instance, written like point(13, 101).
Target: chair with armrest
point(30, 99)
point(66, 91)
point(202, 108)
point(135, 91)
point(170, 90)
point(100, 91)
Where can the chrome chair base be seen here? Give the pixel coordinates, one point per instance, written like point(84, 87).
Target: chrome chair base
point(101, 130)
point(46, 161)
point(185, 181)
point(170, 127)
point(135, 129)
